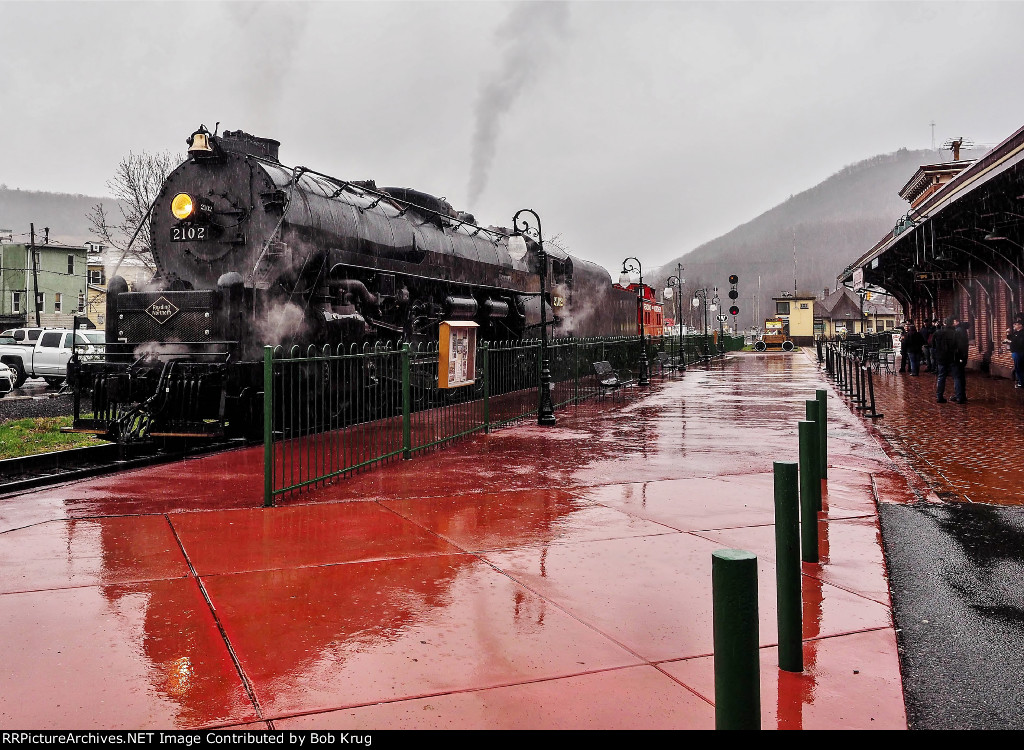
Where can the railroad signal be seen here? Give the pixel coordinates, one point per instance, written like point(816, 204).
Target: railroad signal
point(733, 294)
point(734, 279)
point(734, 310)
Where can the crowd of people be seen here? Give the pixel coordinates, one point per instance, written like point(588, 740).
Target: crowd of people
point(942, 348)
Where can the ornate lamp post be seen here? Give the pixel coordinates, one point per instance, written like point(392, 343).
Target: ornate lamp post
point(545, 407)
point(677, 282)
point(715, 303)
point(631, 266)
point(700, 297)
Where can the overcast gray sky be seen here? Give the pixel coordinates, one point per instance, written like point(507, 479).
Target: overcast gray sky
point(632, 128)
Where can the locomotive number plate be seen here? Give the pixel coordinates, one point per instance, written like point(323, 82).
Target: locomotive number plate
point(189, 233)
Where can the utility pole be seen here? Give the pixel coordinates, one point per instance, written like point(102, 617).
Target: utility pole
point(35, 269)
point(794, 262)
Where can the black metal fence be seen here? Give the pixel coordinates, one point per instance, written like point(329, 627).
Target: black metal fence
point(328, 413)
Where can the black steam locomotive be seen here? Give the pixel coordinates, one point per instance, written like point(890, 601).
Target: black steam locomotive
point(250, 252)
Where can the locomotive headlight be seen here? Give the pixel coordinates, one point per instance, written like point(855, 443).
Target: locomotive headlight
point(182, 206)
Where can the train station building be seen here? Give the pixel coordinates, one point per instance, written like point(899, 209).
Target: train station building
point(958, 249)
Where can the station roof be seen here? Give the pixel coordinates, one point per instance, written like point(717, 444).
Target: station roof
point(982, 204)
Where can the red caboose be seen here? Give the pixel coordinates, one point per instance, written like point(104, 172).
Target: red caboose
point(650, 315)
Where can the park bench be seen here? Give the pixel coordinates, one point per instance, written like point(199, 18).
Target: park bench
point(608, 379)
point(663, 362)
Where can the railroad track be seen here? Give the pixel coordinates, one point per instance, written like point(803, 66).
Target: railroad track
point(29, 472)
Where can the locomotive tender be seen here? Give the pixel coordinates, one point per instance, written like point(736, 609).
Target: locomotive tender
point(250, 252)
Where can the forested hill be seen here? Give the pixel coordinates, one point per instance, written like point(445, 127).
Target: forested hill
point(66, 215)
point(830, 226)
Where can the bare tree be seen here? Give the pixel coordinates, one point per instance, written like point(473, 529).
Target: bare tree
point(135, 185)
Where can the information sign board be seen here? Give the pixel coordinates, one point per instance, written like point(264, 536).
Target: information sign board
point(456, 361)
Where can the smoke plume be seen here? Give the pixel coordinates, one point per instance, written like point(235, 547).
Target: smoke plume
point(529, 36)
point(281, 322)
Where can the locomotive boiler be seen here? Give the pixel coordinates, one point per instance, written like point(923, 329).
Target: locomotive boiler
point(250, 252)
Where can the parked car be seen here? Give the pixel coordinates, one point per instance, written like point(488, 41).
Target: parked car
point(6, 380)
point(24, 335)
point(48, 357)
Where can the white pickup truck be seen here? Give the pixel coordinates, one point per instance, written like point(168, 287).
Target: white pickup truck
point(47, 355)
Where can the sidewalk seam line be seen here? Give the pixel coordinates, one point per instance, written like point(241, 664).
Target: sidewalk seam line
point(246, 684)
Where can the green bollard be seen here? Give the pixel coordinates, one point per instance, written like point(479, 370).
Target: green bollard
point(737, 667)
point(787, 567)
point(822, 395)
point(809, 482)
point(811, 413)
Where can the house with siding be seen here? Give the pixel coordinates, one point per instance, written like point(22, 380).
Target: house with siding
point(42, 282)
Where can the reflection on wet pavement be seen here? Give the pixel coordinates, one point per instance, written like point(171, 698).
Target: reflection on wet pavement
point(971, 451)
point(530, 578)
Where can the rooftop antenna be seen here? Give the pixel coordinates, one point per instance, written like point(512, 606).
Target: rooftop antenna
point(955, 144)
point(932, 123)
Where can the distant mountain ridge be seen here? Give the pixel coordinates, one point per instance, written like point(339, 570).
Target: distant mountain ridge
point(828, 227)
point(66, 215)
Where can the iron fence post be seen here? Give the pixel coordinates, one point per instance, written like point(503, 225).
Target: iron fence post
point(576, 372)
point(406, 405)
point(487, 386)
point(268, 426)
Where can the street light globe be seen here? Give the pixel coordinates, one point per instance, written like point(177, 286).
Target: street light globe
point(668, 292)
point(624, 279)
point(696, 301)
point(517, 247)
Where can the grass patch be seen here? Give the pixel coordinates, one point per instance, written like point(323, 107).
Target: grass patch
point(26, 437)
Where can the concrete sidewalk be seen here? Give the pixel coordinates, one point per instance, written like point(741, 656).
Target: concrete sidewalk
point(530, 578)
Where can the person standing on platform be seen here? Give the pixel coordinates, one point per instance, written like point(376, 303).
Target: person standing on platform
point(944, 349)
point(913, 341)
point(928, 331)
point(963, 347)
point(1015, 338)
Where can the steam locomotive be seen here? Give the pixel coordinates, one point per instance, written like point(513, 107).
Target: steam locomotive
point(250, 253)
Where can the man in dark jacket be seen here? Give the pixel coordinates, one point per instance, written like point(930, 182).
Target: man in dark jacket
point(1015, 338)
point(912, 343)
point(963, 344)
point(928, 331)
point(950, 349)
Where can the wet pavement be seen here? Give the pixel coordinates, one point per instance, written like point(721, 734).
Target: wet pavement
point(530, 578)
point(956, 557)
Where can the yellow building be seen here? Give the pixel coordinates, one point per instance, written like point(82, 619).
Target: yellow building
point(796, 311)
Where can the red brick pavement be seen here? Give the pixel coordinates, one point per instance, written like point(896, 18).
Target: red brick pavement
point(971, 452)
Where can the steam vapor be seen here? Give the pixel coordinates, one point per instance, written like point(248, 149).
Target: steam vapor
point(530, 35)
